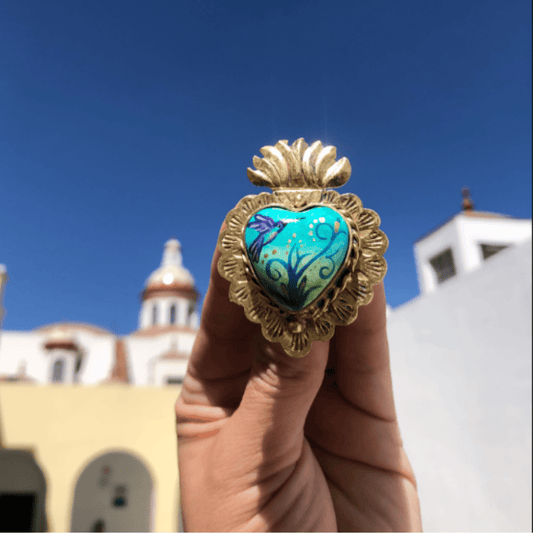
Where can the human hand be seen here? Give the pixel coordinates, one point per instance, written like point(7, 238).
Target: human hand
point(271, 443)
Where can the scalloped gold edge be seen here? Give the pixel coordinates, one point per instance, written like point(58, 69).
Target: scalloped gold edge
point(366, 267)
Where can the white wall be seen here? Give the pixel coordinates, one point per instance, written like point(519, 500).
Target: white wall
point(143, 353)
point(99, 355)
point(461, 364)
point(476, 231)
point(99, 359)
point(168, 368)
point(28, 346)
point(19, 346)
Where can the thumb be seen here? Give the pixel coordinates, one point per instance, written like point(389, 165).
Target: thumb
point(277, 399)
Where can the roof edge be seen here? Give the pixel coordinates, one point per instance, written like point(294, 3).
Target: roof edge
point(484, 215)
point(74, 325)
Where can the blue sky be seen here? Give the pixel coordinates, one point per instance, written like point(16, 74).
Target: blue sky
point(124, 123)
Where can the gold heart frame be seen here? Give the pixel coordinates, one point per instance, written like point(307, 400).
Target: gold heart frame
point(299, 176)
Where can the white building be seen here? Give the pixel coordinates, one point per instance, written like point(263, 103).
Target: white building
point(463, 243)
point(155, 354)
point(461, 367)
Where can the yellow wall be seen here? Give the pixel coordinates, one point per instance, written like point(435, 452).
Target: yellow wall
point(68, 426)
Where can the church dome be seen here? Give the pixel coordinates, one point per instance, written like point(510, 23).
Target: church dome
point(171, 278)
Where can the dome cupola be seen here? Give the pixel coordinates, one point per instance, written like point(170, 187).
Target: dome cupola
point(169, 296)
point(171, 276)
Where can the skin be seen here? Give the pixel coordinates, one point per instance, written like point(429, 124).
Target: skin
point(271, 443)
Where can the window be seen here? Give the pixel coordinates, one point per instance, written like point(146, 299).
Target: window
point(172, 314)
point(443, 265)
point(77, 365)
point(174, 380)
point(491, 249)
point(190, 310)
point(154, 315)
point(57, 373)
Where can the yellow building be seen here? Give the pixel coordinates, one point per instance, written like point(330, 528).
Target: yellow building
point(71, 429)
point(87, 440)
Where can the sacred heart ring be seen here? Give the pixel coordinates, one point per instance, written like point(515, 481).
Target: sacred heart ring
point(302, 259)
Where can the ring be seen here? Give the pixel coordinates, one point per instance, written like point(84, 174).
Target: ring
point(302, 259)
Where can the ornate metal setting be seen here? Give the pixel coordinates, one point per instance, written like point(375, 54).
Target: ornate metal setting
point(301, 259)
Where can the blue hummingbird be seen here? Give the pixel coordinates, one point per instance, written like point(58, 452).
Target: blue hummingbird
point(268, 231)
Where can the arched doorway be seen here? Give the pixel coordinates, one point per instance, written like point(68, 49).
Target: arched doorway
point(22, 492)
point(113, 493)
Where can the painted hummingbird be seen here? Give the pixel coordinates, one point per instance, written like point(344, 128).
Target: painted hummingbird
point(268, 231)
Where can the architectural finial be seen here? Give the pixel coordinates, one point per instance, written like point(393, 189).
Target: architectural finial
point(467, 204)
point(172, 253)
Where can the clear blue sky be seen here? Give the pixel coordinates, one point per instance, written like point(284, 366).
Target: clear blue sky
point(123, 123)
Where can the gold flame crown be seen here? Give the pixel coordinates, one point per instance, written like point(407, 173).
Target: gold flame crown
point(299, 166)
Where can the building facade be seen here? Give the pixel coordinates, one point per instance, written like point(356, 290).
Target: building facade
point(461, 367)
point(155, 354)
point(87, 438)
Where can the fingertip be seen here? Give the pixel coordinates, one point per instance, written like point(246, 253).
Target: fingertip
point(221, 317)
point(223, 340)
point(217, 282)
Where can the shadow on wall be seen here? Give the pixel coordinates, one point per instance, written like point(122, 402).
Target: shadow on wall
point(22, 492)
point(114, 492)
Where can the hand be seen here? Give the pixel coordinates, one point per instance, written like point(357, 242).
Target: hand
point(271, 443)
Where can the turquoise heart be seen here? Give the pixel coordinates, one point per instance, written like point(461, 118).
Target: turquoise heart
point(295, 255)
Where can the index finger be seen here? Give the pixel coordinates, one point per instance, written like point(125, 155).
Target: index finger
point(225, 338)
point(362, 371)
